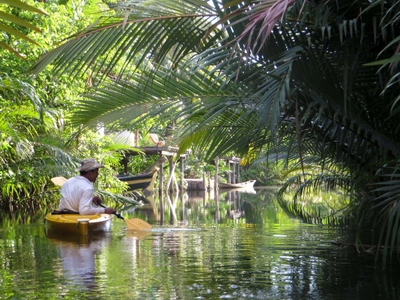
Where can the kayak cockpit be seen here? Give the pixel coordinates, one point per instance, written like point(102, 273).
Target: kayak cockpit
point(78, 224)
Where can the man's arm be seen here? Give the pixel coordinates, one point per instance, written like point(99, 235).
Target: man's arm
point(85, 204)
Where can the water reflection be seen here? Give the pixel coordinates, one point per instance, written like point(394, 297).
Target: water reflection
point(81, 266)
point(240, 205)
point(238, 246)
point(78, 253)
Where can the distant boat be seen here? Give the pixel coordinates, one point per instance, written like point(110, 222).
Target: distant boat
point(143, 182)
point(246, 190)
point(244, 185)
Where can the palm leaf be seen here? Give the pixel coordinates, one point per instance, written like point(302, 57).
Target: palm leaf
point(17, 21)
point(149, 29)
point(286, 76)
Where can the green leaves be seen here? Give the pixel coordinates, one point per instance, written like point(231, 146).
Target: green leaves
point(9, 22)
point(125, 41)
point(253, 78)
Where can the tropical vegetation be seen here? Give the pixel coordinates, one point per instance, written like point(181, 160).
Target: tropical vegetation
point(37, 143)
point(313, 84)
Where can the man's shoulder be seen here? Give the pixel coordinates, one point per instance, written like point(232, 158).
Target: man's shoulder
point(78, 181)
point(74, 179)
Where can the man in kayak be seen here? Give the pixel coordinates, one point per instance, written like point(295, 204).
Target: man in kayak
point(77, 193)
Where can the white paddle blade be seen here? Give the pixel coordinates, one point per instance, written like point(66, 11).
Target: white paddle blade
point(59, 180)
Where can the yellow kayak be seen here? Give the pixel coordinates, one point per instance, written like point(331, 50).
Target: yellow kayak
point(78, 224)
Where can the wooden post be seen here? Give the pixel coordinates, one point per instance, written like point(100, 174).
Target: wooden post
point(160, 189)
point(216, 186)
point(162, 207)
point(171, 174)
point(209, 187)
point(238, 172)
point(229, 179)
point(233, 172)
point(182, 165)
point(125, 164)
point(216, 175)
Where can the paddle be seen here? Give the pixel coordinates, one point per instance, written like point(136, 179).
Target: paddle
point(132, 224)
point(59, 180)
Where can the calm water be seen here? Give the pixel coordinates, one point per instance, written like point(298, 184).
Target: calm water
point(241, 247)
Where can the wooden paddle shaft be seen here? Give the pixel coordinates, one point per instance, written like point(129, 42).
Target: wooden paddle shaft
point(117, 214)
point(135, 223)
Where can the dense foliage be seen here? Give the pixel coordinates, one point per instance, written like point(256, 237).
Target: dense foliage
point(311, 81)
point(314, 84)
point(37, 140)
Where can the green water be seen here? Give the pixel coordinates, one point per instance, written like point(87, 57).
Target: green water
point(241, 247)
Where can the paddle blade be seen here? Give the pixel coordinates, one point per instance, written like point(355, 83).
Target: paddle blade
point(137, 224)
point(59, 180)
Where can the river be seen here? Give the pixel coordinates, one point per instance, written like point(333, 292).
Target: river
point(242, 246)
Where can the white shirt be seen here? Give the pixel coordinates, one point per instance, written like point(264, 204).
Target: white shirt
point(77, 194)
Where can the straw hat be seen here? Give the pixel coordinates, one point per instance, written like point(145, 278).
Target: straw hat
point(89, 164)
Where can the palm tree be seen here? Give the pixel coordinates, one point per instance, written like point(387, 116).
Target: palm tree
point(318, 79)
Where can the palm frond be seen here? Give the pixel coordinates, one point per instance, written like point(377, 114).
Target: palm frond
point(153, 33)
point(290, 76)
point(8, 21)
